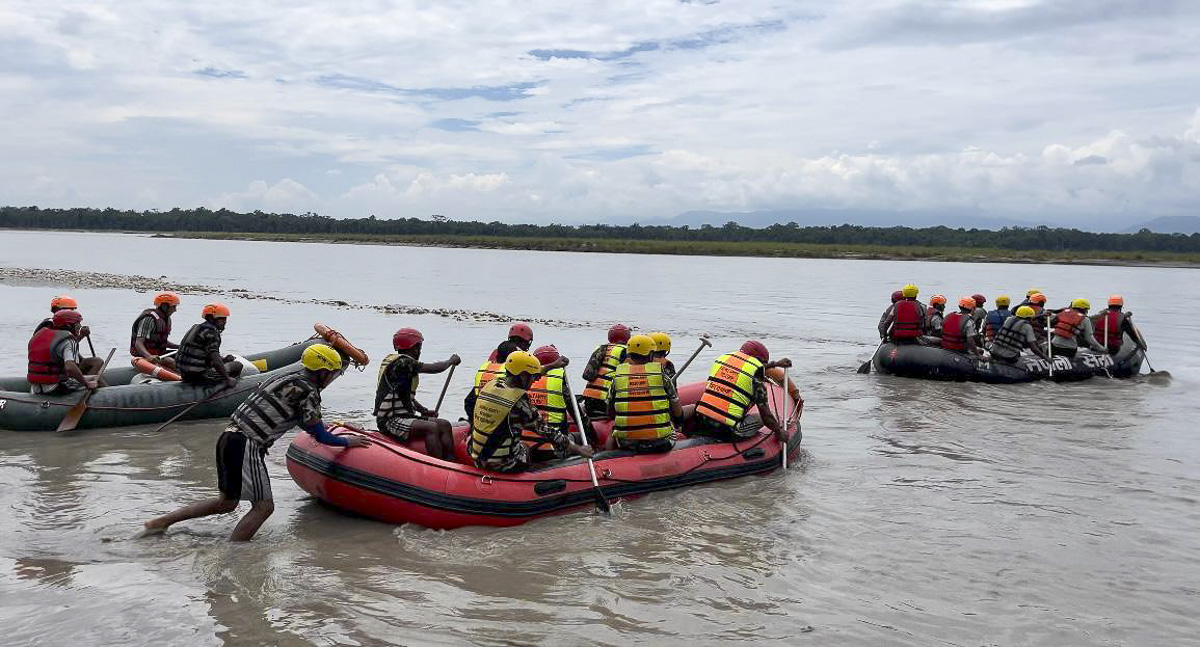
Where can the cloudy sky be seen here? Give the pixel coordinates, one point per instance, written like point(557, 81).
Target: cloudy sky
point(604, 111)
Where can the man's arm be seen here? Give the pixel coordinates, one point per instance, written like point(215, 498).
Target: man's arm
point(593, 364)
point(438, 367)
point(1088, 332)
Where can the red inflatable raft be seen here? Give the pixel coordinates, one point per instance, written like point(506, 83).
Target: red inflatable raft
point(398, 484)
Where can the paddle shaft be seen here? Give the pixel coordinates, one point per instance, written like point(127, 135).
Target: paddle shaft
point(865, 367)
point(191, 406)
point(1049, 349)
point(438, 407)
point(601, 502)
point(703, 342)
point(783, 420)
point(91, 347)
point(71, 420)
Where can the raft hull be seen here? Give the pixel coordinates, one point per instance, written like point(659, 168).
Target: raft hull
point(933, 363)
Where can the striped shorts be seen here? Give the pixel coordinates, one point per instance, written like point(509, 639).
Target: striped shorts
point(397, 427)
point(242, 467)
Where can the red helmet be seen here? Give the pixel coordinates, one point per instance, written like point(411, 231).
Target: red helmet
point(67, 317)
point(521, 330)
point(897, 295)
point(619, 334)
point(756, 350)
point(546, 354)
point(215, 310)
point(63, 301)
point(979, 299)
point(406, 338)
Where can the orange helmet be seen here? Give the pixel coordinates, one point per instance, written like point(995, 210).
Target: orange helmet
point(215, 310)
point(1116, 300)
point(936, 299)
point(63, 301)
point(166, 297)
point(967, 302)
point(1038, 298)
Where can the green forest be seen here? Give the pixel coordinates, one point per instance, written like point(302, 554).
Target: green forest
point(440, 229)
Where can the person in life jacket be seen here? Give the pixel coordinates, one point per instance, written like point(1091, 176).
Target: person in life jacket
point(934, 315)
point(397, 411)
point(598, 372)
point(1015, 335)
point(551, 394)
point(1113, 324)
point(287, 400)
point(662, 348)
point(905, 320)
point(151, 329)
point(62, 302)
point(898, 295)
point(1028, 295)
point(643, 402)
point(1037, 301)
point(958, 329)
point(1071, 327)
point(520, 337)
point(736, 383)
point(199, 355)
point(978, 314)
point(55, 367)
point(997, 317)
point(502, 411)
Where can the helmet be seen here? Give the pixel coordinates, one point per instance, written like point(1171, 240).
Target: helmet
point(1116, 300)
point(547, 354)
point(757, 350)
point(406, 338)
point(642, 345)
point(1025, 312)
point(967, 302)
point(320, 357)
point(936, 299)
point(521, 362)
point(521, 330)
point(63, 301)
point(1038, 298)
point(979, 299)
point(67, 317)
point(166, 297)
point(910, 291)
point(897, 295)
point(1081, 304)
point(662, 342)
point(619, 334)
point(216, 310)
point(1031, 292)
point(1003, 300)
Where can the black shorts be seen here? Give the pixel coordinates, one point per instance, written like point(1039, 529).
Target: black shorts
point(660, 446)
point(710, 428)
point(242, 468)
point(207, 378)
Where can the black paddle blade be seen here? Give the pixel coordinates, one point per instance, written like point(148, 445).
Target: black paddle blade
point(865, 368)
point(602, 504)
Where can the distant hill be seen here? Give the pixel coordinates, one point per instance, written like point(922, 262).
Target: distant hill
point(833, 217)
point(1170, 225)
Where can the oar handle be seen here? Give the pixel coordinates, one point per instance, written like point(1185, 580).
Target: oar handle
point(438, 406)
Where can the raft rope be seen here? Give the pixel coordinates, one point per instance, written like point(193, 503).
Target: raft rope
point(48, 403)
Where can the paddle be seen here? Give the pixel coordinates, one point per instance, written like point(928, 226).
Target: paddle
point(1049, 351)
point(90, 346)
point(212, 396)
point(783, 420)
point(703, 342)
point(866, 366)
point(71, 420)
point(601, 503)
point(438, 407)
point(1145, 354)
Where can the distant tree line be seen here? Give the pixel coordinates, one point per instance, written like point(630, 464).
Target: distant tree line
point(224, 221)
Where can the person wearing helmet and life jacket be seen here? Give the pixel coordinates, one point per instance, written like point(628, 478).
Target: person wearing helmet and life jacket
point(935, 315)
point(520, 337)
point(502, 411)
point(1028, 296)
point(905, 321)
point(1015, 335)
point(997, 317)
point(1113, 324)
point(551, 394)
point(958, 329)
point(897, 296)
point(642, 402)
point(598, 372)
point(1037, 301)
point(978, 314)
point(287, 400)
point(397, 412)
point(151, 329)
point(662, 348)
point(199, 355)
point(55, 367)
point(736, 383)
point(62, 302)
point(1071, 327)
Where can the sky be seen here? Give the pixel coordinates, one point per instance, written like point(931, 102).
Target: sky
point(610, 111)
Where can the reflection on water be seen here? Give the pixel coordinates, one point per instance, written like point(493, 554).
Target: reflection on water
point(919, 513)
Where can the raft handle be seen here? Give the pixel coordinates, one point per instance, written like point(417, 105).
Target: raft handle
point(543, 488)
point(754, 454)
point(485, 479)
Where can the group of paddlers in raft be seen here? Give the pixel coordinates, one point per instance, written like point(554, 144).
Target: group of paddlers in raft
point(1004, 333)
point(519, 409)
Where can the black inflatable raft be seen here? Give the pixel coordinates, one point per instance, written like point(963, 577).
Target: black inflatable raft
point(933, 363)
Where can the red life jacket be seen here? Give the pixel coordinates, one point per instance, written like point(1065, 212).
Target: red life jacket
point(1067, 324)
point(157, 343)
point(952, 331)
point(1108, 329)
point(907, 324)
point(44, 367)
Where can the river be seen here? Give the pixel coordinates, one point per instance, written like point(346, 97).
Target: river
point(920, 513)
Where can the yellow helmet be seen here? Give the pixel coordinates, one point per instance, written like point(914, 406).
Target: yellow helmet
point(320, 357)
point(1081, 304)
point(1031, 291)
point(910, 291)
point(1003, 300)
point(521, 362)
point(662, 341)
point(641, 345)
point(1025, 312)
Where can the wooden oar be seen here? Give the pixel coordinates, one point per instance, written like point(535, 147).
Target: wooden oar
point(602, 503)
point(212, 396)
point(71, 420)
point(703, 342)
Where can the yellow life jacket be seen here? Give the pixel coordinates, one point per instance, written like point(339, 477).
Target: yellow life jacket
point(490, 435)
point(384, 364)
point(640, 400)
point(387, 399)
point(597, 389)
point(729, 392)
point(486, 373)
point(548, 394)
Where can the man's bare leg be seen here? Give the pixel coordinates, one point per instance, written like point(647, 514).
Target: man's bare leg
point(245, 529)
point(193, 511)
